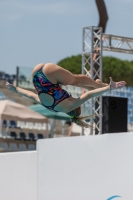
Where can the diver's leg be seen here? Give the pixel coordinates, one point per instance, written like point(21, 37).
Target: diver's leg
point(58, 74)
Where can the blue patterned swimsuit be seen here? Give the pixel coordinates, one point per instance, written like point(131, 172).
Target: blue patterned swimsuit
point(43, 85)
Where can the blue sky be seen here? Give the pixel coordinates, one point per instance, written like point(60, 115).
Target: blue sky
point(39, 31)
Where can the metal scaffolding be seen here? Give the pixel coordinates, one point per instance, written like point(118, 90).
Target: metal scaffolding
point(93, 44)
point(114, 43)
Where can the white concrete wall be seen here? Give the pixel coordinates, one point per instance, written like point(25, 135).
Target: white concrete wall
point(77, 168)
point(86, 168)
point(18, 176)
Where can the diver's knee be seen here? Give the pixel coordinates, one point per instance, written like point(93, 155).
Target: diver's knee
point(75, 80)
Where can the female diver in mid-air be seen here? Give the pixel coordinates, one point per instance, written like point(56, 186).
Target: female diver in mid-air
point(47, 79)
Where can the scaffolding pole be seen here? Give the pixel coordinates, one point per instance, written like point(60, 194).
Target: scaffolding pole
point(93, 43)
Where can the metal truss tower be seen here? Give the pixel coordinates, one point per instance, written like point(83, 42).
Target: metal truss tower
point(91, 57)
point(92, 45)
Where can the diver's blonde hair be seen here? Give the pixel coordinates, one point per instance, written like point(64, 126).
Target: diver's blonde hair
point(80, 121)
point(74, 115)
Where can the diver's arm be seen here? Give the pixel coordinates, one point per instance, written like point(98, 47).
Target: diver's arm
point(26, 93)
point(96, 92)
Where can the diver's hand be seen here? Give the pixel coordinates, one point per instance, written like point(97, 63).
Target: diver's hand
point(11, 87)
point(116, 85)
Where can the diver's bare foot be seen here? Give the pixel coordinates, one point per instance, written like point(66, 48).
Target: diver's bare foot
point(98, 80)
point(101, 83)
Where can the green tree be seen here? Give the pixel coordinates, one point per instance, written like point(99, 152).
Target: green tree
point(73, 64)
point(114, 67)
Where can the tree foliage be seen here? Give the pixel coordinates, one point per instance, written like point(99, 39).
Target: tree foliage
point(114, 67)
point(73, 64)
